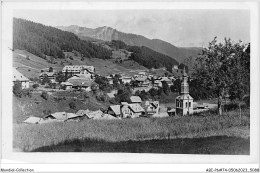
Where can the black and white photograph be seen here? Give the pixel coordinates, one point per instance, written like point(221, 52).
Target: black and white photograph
point(151, 81)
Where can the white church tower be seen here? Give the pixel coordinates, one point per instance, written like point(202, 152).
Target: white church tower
point(184, 102)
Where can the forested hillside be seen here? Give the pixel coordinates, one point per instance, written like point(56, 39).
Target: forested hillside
point(45, 40)
point(146, 56)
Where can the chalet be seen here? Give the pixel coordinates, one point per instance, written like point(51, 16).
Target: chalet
point(60, 116)
point(141, 74)
point(19, 77)
point(111, 95)
point(126, 79)
point(167, 80)
point(110, 80)
point(78, 69)
point(114, 110)
point(74, 117)
point(135, 99)
point(66, 85)
point(171, 112)
point(136, 109)
point(49, 75)
point(33, 120)
point(83, 112)
point(153, 107)
point(142, 81)
point(132, 110)
point(157, 83)
point(80, 83)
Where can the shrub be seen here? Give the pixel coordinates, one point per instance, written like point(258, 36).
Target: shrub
point(17, 89)
point(45, 80)
point(72, 105)
point(19, 92)
point(101, 97)
point(112, 101)
point(45, 95)
point(35, 86)
point(46, 112)
point(27, 92)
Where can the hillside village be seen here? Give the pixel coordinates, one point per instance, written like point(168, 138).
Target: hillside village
point(81, 89)
point(82, 77)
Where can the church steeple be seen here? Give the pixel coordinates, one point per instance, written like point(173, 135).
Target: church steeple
point(184, 83)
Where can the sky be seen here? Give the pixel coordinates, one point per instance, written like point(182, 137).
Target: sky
point(182, 28)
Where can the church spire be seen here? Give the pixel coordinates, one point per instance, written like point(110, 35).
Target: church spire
point(184, 83)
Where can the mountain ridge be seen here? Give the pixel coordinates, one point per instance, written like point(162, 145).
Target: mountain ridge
point(107, 33)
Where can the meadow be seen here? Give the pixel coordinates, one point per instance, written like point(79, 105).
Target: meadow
point(30, 137)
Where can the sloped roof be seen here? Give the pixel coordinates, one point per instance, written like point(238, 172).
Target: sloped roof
point(33, 120)
point(66, 83)
point(135, 99)
point(81, 82)
point(184, 97)
point(83, 112)
point(172, 110)
point(111, 95)
point(140, 79)
point(142, 73)
point(83, 76)
point(165, 79)
point(18, 76)
point(48, 121)
point(59, 115)
point(135, 107)
point(72, 115)
point(95, 114)
point(47, 73)
point(108, 117)
point(155, 104)
point(116, 109)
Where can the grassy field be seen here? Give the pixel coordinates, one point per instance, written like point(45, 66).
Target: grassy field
point(30, 137)
point(39, 107)
point(32, 67)
point(209, 145)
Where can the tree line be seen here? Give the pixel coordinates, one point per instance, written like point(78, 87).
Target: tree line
point(146, 56)
point(44, 40)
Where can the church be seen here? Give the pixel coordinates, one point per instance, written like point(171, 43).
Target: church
point(184, 102)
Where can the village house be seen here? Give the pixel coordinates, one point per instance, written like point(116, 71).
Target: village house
point(135, 99)
point(81, 83)
point(49, 75)
point(137, 110)
point(157, 83)
point(142, 82)
point(110, 80)
point(126, 79)
point(111, 95)
point(19, 77)
point(132, 110)
point(171, 112)
point(167, 80)
point(78, 69)
point(114, 110)
point(59, 116)
point(142, 74)
point(153, 107)
point(66, 85)
point(33, 120)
